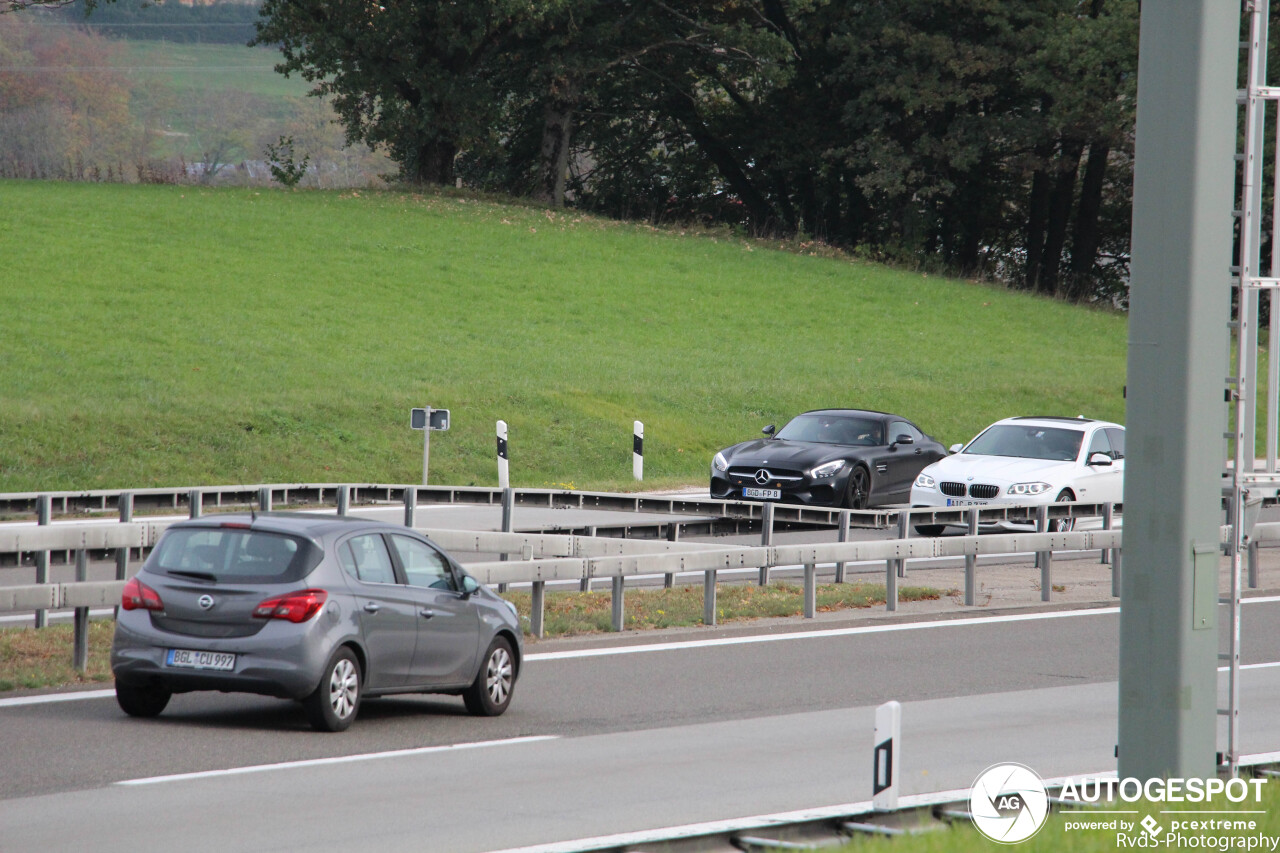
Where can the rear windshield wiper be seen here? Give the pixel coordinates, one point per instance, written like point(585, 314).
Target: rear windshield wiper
point(200, 576)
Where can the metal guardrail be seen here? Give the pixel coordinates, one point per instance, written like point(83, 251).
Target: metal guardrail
point(22, 505)
point(549, 557)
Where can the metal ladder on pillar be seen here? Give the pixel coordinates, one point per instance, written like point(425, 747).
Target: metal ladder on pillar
point(1248, 484)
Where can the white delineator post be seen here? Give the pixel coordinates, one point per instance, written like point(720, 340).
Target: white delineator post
point(885, 756)
point(637, 450)
point(504, 476)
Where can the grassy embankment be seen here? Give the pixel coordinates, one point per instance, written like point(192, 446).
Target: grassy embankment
point(171, 336)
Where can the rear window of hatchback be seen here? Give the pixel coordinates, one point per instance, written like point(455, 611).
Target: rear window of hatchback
point(234, 555)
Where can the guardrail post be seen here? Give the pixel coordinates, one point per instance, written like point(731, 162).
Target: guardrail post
point(971, 563)
point(810, 590)
point(842, 536)
point(537, 608)
point(673, 535)
point(42, 557)
point(195, 503)
point(122, 554)
point(1044, 559)
point(1252, 554)
point(508, 511)
point(766, 537)
point(891, 584)
point(617, 603)
point(410, 506)
point(1116, 559)
point(1107, 520)
point(264, 499)
point(584, 585)
point(80, 636)
point(709, 597)
point(344, 500)
point(904, 532)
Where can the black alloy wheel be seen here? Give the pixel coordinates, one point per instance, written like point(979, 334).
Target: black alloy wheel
point(859, 489)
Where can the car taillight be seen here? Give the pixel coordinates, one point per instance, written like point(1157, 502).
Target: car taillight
point(296, 606)
point(138, 596)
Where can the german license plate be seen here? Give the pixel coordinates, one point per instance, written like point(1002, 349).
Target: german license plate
point(763, 494)
point(191, 659)
point(958, 502)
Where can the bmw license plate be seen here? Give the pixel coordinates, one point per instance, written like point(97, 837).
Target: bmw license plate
point(763, 494)
point(191, 659)
point(958, 502)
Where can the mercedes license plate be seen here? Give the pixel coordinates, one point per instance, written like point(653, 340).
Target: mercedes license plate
point(191, 659)
point(763, 494)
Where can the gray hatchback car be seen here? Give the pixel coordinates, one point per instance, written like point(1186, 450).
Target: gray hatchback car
point(321, 609)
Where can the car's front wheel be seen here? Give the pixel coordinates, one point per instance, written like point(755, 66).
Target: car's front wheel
point(859, 489)
point(332, 706)
point(1063, 525)
point(490, 694)
point(141, 701)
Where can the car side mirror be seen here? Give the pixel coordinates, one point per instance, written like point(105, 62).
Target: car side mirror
point(904, 439)
point(955, 448)
point(1099, 459)
point(469, 586)
point(769, 430)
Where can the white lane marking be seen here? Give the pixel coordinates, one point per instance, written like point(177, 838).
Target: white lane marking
point(340, 759)
point(814, 635)
point(57, 697)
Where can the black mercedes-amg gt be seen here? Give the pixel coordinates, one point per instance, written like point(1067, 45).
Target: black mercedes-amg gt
point(828, 457)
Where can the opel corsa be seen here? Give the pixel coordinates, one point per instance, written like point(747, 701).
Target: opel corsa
point(325, 610)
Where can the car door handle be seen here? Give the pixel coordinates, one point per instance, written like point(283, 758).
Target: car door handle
point(371, 607)
point(426, 613)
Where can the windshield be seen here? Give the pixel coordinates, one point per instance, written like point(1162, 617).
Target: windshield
point(233, 554)
point(833, 429)
point(1028, 442)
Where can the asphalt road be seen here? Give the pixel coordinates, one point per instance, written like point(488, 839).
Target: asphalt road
point(636, 737)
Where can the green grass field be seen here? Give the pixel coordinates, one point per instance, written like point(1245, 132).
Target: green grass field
point(210, 67)
point(170, 336)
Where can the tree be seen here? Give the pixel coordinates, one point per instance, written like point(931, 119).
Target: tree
point(415, 76)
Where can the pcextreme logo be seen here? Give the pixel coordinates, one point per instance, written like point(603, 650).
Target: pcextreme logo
point(1009, 804)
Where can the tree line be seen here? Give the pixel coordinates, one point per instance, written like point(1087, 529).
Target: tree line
point(986, 137)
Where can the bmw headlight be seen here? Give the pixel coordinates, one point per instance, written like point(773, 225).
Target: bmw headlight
point(828, 469)
point(720, 463)
point(1029, 488)
point(924, 481)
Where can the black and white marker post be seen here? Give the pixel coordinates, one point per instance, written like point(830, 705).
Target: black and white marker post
point(884, 773)
point(637, 450)
point(504, 475)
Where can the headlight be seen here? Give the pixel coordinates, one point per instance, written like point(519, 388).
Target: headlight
point(1029, 488)
point(829, 469)
point(720, 463)
point(514, 611)
point(924, 481)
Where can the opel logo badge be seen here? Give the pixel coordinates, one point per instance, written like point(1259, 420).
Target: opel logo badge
point(762, 476)
point(205, 602)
